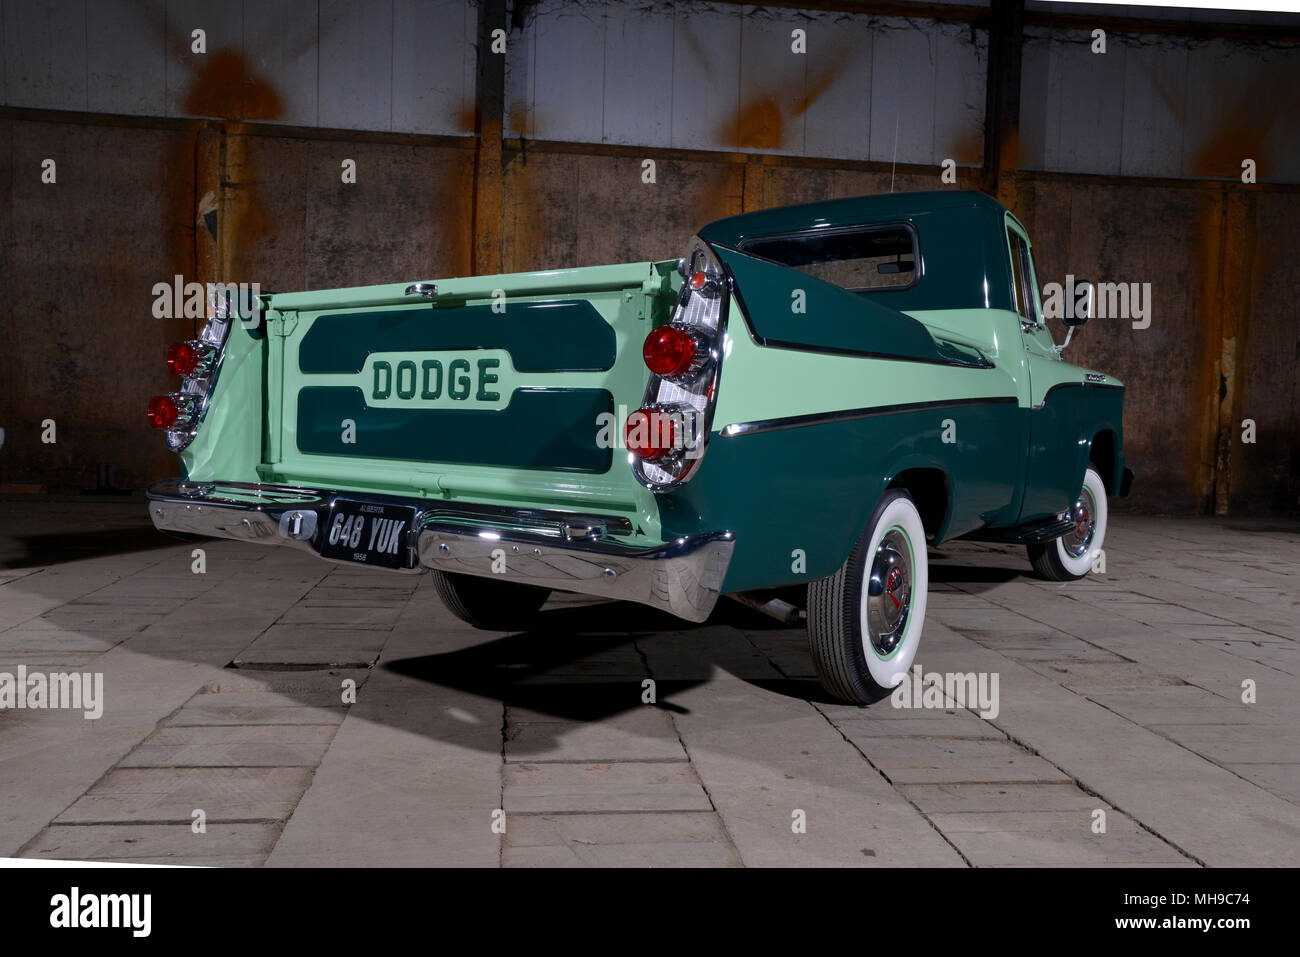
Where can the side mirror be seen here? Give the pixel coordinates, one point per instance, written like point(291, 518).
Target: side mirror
point(1084, 305)
point(1078, 309)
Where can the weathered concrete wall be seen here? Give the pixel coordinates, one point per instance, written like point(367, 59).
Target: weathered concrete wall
point(80, 345)
point(1224, 328)
point(81, 256)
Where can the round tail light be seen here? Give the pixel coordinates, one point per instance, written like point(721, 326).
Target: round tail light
point(652, 433)
point(162, 412)
point(183, 358)
point(669, 351)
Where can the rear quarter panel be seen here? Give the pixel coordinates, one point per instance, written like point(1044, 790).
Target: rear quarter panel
point(798, 498)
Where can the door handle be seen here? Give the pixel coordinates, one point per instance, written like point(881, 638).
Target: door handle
point(426, 289)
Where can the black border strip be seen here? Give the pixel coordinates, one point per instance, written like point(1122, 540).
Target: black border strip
point(821, 418)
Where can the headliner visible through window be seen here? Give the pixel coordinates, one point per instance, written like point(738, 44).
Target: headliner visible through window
point(863, 259)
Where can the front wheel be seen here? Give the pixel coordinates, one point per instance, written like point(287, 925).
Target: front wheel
point(1071, 556)
point(865, 621)
point(489, 603)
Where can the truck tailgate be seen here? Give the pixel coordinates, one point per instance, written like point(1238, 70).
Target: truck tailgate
point(493, 389)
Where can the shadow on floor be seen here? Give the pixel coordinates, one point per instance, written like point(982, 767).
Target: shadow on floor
point(56, 548)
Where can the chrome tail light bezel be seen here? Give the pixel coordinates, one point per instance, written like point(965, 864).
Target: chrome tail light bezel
point(215, 334)
point(702, 312)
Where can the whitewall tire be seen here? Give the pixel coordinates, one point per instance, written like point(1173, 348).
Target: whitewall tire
point(865, 621)
point(1072, 555)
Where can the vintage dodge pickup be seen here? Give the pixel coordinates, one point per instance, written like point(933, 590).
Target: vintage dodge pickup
point(819, 393)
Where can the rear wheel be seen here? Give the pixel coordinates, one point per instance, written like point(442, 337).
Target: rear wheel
point(487, 603)
point(1070, 557)
point(865, 621)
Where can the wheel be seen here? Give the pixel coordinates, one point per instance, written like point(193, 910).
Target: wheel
point(489, 604)
point(1071, 556)
point(865, 621)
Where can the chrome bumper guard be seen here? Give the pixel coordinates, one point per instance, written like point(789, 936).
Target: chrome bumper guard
point(562, 550)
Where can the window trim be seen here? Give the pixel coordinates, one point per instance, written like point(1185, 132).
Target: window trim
point(1013, 227)
point(917, 272)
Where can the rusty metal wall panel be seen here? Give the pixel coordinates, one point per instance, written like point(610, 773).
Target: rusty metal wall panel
point(725, 77)
point(568, 73)
point(1159, 106)
point(356, 65)
point(209, 84)
point(280, 51)
point(433, 66)
point(961, 64)
point(706, 76)
point(902, 92)
point(520, 55)
point(1155, 102)
point(773, 81)
point(638, 102)
point(1072, 103)
point(837, 116)
point(126, 60)
point(1246, 107)
point(45, 54)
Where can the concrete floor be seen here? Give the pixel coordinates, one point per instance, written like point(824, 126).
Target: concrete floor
point(1121, 693)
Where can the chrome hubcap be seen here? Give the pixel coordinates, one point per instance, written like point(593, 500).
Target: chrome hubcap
point(1084, 516)
point(889, 593)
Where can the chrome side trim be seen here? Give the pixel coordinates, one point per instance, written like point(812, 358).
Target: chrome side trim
point(821, 418)
point(563, 550)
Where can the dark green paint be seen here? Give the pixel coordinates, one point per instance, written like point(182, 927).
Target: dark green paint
point(832, 319)
point(1060, 445)
point(761, 487)
point(556, 336)
point(961, 244)
point(540, 429)
point(813, 487)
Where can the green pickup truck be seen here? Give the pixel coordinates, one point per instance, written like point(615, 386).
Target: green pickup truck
point(810, 396)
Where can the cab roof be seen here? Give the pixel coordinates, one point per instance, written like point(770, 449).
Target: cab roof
point(849, 211)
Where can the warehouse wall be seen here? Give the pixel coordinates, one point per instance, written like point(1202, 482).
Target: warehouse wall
point(252, 130)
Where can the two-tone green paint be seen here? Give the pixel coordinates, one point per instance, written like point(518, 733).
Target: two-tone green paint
point(1011, 434)
point(527, 439)
point(940, 376)
point(228, 445)
point(542, 335)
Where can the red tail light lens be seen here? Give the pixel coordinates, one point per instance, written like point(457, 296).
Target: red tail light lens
point(162, 412)
point(183, 358)
point(669, 351)
point(698, 280)
point(652, 433)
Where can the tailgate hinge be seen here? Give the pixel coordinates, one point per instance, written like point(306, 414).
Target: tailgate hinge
point(288, 321)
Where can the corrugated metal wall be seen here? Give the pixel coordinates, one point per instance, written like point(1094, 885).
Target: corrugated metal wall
point(397, 65)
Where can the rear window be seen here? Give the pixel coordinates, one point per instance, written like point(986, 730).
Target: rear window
point(858, 259)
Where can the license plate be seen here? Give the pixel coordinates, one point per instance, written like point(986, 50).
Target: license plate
point(368, 533)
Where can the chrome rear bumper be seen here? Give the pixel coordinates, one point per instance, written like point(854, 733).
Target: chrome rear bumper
point(554, 549)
